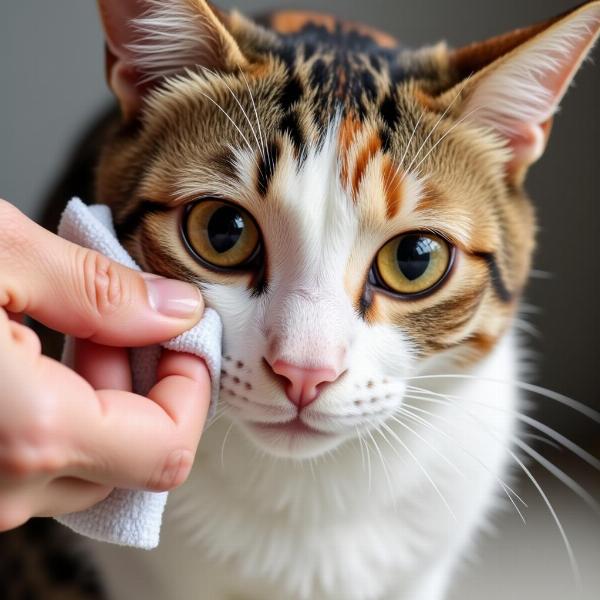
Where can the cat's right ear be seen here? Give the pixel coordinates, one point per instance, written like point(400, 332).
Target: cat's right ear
point(147, 40)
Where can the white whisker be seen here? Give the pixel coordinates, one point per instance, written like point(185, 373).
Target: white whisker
point(383, 465)
point(433, 130)
point(530, 387)
point(231, 121)
point(423, 470)
point(508, 490)
point(263, 139)
point(560, 475)
point(225, 438)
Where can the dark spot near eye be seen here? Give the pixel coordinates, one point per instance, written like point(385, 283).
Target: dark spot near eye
point(224, 372)
point(248, 386)
point(500, 288)
point(226, 357)
point(365, 301)
point(127, 225)
point(239, 364)
point(358, 402)
point(236, 380)
point(370, 384)
point(389, 111)
point(373, 400)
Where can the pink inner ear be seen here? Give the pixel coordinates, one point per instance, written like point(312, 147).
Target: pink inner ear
point(518, 95)
point(117, 17)
point(122, 76)
point(527, 143)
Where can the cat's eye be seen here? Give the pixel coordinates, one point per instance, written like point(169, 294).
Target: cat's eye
point(414, 263)
point(220, 233)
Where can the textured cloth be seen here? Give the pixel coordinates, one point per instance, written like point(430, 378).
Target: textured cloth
point(132, 517)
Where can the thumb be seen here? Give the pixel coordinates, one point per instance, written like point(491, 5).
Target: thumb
point(81, 293)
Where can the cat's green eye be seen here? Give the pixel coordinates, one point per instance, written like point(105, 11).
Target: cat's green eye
point(414, 263)
point(220, 233)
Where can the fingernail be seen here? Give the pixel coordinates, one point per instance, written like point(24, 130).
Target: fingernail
point(173, 298)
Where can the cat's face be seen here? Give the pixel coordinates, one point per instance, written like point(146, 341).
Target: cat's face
point(348, 209)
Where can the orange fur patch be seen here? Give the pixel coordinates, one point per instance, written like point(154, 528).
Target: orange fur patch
point(292, 21)
point(348, 131)
point(392, 186)
point(366, 154)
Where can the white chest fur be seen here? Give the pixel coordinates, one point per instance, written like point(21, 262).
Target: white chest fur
point(387, 521)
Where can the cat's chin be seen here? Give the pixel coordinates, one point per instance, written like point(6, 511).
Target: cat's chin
point(292, 439)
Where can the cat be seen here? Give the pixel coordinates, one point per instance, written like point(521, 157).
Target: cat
point(355, 212)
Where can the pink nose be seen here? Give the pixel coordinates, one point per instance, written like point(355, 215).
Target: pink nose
point(303, 387)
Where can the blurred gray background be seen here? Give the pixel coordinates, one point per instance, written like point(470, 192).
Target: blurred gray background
point(52, 85)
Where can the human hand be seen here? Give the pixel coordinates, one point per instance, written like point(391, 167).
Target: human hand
point(68, 437)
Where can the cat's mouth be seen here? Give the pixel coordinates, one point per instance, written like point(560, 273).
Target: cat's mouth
point(295, 427)
point(293, 438)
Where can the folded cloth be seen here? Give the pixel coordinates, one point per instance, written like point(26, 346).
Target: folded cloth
point(133, 517)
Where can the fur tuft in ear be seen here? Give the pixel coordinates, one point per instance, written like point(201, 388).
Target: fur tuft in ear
point(147, 40)
point(517, 94)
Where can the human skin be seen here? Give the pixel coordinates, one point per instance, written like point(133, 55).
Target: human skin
point(69, 436)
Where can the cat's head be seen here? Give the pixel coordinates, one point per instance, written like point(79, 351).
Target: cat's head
point(352, 209)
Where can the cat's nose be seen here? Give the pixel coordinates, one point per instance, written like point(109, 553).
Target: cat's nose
point(304, 384)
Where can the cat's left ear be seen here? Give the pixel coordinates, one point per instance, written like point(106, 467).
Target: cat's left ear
point(147, 40)
point(513, 84)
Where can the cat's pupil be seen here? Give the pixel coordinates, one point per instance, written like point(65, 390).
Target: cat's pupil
point(225, 228)
point(414, 255)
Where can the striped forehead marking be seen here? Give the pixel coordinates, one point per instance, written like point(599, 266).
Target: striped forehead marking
point(358, 148)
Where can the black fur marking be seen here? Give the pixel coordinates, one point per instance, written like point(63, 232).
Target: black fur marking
point(226, 163)
point(375, 62)
point(386, 140)
point(389, 111)
point(290, 125)
point(127, 226)
point(292, 92)
point(318, 73)
point(496, 276)
point(266, 168)
point(367, 81)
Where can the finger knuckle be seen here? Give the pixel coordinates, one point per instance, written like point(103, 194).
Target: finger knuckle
point(13, 240)
point(32, 456)
point(173, 471)
point(104, 286)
